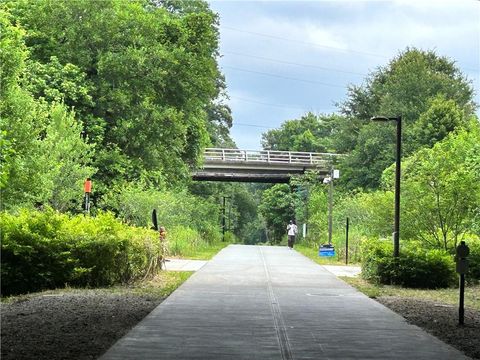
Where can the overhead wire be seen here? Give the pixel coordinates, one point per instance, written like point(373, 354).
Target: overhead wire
point(252, 125)
point(466, 67)
point(279, 105)
point(304, 42)
point(293, 63)
point(284, 77)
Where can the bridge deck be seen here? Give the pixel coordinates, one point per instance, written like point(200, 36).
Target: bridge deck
point(260, 165)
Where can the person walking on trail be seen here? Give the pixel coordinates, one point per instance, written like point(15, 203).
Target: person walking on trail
point(292, 231)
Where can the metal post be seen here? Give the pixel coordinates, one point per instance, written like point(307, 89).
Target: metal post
point(223, 220)
point(330, 208)
point(346, 242)
point(396, 230)
point(230, 214)
point(307, 214)
point(87, 203)
point(461, 309)
point(398, 156)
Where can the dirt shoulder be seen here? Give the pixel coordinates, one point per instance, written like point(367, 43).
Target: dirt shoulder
point(78, 324)
point(69, 326)
point(440, 320)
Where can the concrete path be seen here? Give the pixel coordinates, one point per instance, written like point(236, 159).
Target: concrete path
point(253, 302)
point(184, 265)
point(339, 270)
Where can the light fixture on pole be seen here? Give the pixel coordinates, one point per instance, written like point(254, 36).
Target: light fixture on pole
point(398, 156)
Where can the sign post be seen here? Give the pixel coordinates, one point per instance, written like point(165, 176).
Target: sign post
point(462, 253)
point(87, 188)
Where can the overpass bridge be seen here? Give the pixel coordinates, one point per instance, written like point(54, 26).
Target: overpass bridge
point(267, 166)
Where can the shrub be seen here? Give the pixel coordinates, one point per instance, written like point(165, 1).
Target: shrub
point(45, 250)
point(473, 274)
point(416, 267)
point(134, 204)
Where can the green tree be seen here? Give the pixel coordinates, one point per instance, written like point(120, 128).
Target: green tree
point(44, 158)
point(441, 118)
point(310, 133)
point(407, 86)
point(153, 74)
point(21, 121)
point(277, 208)
point(441, 190)
point(66, 158)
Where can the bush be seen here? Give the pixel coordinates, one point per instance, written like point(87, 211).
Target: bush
point(473, 274)
point(46, 250)
point(134, 205)
point(416, 267)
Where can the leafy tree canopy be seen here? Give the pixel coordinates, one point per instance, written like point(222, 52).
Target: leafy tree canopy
point(441, 189)
point(148, 78)
point(428, 91)
point(310, 133)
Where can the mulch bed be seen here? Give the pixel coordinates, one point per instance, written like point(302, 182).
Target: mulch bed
point(69, 326)
point(441, 321)
point(84, 325)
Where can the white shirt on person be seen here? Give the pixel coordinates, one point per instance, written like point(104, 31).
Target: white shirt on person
point(292, 229)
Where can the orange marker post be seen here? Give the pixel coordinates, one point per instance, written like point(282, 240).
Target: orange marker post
point(87, 188)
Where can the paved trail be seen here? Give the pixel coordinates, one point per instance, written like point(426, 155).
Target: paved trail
point(256, 302)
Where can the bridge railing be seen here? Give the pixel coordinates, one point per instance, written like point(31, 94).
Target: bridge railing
point(266, 156)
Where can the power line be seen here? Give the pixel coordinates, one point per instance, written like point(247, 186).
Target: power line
point(293, 63)
point(251, 125)
point(304, 42)
point(467, 67)
point(284, 77)
point(279, 105)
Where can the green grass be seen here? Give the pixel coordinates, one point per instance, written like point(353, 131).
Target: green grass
point(312, 253)
point(162, 285)
point(204, 251)
point(444, 296)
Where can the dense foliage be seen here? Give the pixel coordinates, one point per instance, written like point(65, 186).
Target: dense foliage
point(416, 267)
point(123, 93)
point(45, 250)
point(134, 205)
point(277, 208)
point(141, 76)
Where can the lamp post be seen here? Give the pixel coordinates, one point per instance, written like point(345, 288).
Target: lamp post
point(334, 174)
point(223, 217)
point(398, 156)
point(329, 180)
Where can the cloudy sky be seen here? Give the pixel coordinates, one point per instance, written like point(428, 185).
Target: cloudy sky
point(284, 58)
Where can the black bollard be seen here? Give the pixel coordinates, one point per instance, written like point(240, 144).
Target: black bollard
point(462, 252)
point(346, 242)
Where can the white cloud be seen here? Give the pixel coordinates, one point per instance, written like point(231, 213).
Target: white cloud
point(354, 36)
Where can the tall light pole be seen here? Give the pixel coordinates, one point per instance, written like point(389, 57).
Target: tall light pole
point(398, 157)
point(334, 174)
